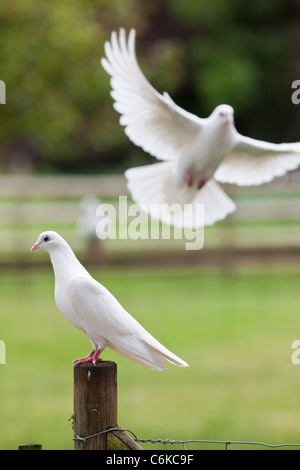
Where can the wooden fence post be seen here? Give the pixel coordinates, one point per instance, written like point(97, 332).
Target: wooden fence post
point(30, 447)
point(95, 403)
point(95, 409)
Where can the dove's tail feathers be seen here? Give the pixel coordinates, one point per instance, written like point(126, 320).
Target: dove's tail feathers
point(217, 205)
point(149, 353)
point(148, 184)
point(158, 364)
point(154, 188)
point(162, 352)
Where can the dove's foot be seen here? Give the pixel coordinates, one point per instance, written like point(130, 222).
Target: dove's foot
point(92, 357)
point(84, 359)
point(201, 184)
point(189, 179)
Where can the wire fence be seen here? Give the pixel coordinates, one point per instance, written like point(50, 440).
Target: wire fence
point(225, 445)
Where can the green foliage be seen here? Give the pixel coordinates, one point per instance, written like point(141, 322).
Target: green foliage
point(239, 55)
point(59, 110)
point(58, 104)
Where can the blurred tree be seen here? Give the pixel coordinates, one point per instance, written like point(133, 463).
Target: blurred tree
point(240, 55)
point(59, 114)
point(58, 108)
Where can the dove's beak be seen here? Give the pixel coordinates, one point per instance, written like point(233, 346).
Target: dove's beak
point(231, 120)
point(35, 247)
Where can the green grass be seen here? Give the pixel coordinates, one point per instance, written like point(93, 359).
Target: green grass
point(234, 328)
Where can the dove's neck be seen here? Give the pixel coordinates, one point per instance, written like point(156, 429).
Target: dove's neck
point(65, 264)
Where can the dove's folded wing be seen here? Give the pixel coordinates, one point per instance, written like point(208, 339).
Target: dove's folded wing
point(98, 309)
point(254, 162)
point(152, 121)
point(107, 323)
point(103, 315)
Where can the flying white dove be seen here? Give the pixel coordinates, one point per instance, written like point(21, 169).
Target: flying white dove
point(94, 310)
point(197, 152)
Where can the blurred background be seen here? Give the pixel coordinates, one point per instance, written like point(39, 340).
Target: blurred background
point(231, 309)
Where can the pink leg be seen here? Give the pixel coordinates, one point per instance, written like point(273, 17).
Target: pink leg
point(84, 358)
point(201, 184)
point(92, 357)
point(96, 357)
point(189, 179)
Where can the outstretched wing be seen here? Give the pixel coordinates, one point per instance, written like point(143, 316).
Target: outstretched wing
point(152, 121)
point(254, 162)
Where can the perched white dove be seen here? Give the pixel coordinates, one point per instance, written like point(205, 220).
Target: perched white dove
point(94, 310)
point(196, 151)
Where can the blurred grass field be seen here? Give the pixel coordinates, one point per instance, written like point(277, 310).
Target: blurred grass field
point(234, 326)
point(232, 318)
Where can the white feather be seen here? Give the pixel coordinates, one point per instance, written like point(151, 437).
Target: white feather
point(137, 101)
point(253, 162)
point(151, 186)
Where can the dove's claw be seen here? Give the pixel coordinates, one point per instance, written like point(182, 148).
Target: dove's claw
point(92, 357)
point(201, 184)
point(84, 359)
point(189, 179)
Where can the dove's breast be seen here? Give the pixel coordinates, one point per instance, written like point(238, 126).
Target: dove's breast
point(205, 153)
point(65, 306)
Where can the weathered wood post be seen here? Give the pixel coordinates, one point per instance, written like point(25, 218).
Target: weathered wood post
point(95, 403)
point(30, 447)
point(95, 409)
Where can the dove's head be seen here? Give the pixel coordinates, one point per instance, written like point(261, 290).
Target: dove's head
point(48, 241)
point(224, 114)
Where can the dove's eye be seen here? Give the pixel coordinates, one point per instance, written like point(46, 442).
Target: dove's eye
point(46, 238)
point(221, 114)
